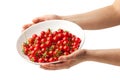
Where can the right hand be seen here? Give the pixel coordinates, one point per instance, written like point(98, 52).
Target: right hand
point(67, 61)
point(40, 19)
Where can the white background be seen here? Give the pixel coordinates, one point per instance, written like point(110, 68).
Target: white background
point(15, 13)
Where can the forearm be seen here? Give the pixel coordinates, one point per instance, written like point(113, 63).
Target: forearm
point(110, 56)
point(97, 19)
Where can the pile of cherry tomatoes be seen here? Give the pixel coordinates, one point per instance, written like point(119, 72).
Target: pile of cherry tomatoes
point(48, 46)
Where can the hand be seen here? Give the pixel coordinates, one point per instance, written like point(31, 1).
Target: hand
point(40, 19)
point(66, 61)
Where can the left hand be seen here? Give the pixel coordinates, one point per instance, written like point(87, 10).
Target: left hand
point(66, 61)
point(41, 19)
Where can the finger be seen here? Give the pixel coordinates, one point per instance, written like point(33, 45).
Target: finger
point(53, 66)
point(38, 19)
point(65, 58)
point(73, 56)
point(45, 68)
point(48, 68)
point(27, 26)
point(62, 65)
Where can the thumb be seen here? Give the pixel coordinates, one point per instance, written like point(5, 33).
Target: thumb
point(75, 55)
point(64, 58)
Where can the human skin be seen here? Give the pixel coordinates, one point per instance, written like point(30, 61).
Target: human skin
point(106, 17)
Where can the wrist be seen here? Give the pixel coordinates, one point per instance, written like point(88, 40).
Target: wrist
point(89, 55)
point(68, 18)
point(83, 55)
point(77, 18)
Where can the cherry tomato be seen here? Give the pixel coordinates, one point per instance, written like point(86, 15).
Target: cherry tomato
point(60, 30)
point(50, 53)
point(55, 38)
point(77, 40)
point(34, 36)
point(42, 45)
point(65, 33)
point(48, 43)
point(30, 40)
point(40, 60)
point(34, 59)
point(42, 33)
point(46, 59)
point(66, 53)
point(66, 48)
point(51, 59)
point(25, 50)
point(43, 40)
point(31, 48)
point(49, 38)
point(59, 35)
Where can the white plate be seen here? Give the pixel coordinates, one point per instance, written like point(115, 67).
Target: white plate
point(53, 25)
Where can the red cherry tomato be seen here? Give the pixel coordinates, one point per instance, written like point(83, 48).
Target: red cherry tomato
point(40, 60)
